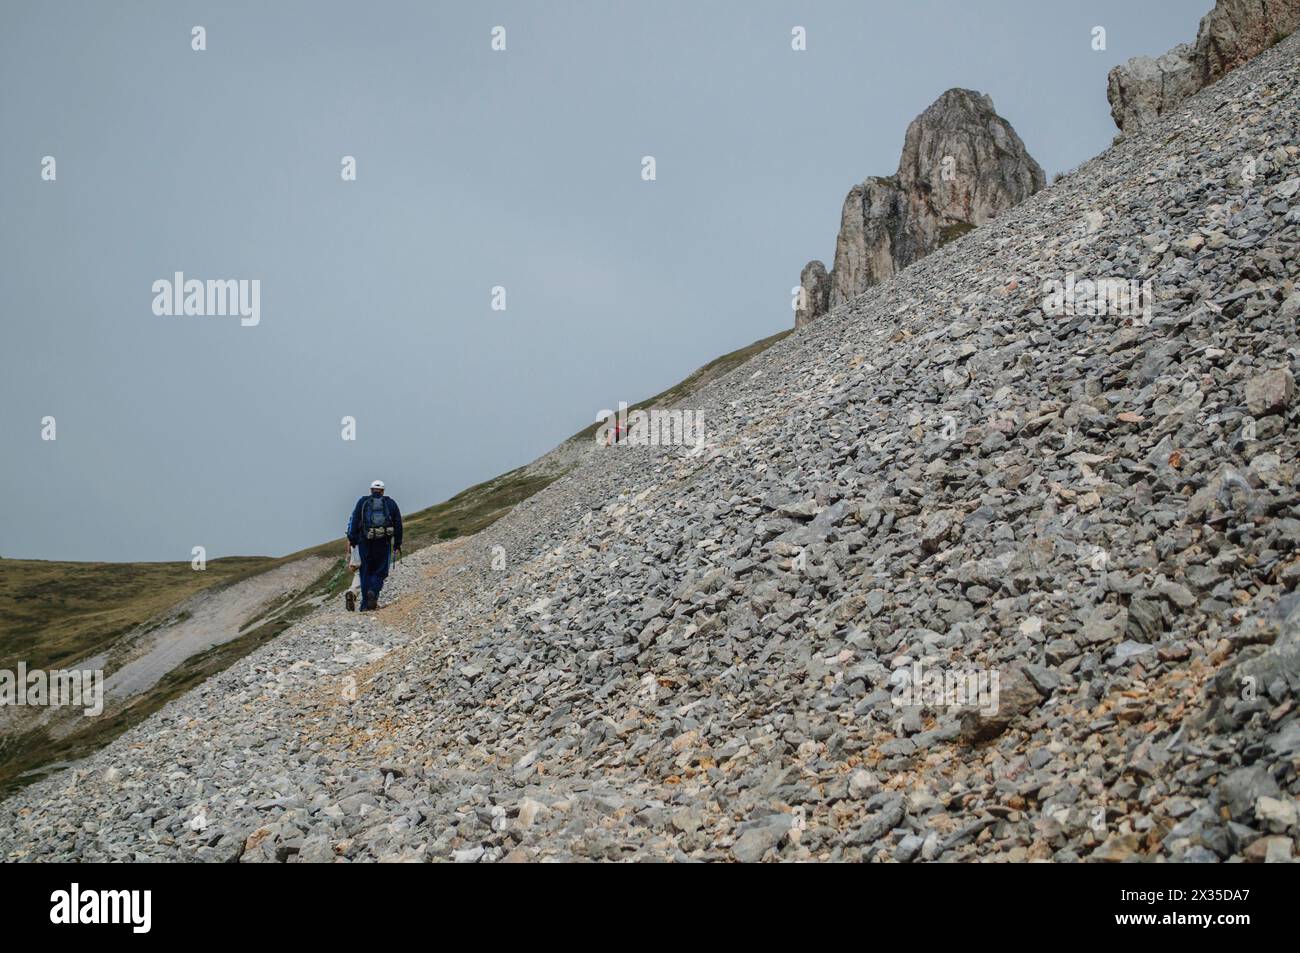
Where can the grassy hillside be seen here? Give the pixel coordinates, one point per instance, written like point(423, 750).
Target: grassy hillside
point(54, 614)
point(57, 613)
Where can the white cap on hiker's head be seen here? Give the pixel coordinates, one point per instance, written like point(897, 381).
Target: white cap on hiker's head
point(377, 485)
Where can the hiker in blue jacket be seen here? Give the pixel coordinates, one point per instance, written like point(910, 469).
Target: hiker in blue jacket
point(376, 522)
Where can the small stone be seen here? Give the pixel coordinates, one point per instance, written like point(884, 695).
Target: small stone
point(908, 847)
point(1016, 694)
point(757, 841)
point(1117, 849)
point(1106, 622)
point(1270, 393)
point(529, 809)
point(316, 850)
point(1269, 850)
point(862, 783)
point(1275, 814)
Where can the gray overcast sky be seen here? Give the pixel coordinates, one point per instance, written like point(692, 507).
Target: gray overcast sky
point(475, 169)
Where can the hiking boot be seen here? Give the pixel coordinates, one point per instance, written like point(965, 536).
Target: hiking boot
point(372, 600)
point(350, 600)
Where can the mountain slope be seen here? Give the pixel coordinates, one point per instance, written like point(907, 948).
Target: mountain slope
point(69, 615)
point(695, 654)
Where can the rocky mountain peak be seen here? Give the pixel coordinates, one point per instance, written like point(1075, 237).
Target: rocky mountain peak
point(961, 165)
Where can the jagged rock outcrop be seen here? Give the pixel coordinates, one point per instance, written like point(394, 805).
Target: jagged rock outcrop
point(962, 164)
point(1143, 89)
point(864, 247)
point(815, 287)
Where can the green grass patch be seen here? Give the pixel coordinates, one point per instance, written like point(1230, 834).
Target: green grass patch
point(54, 613)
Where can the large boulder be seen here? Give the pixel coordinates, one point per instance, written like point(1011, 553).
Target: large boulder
point(1144, 89)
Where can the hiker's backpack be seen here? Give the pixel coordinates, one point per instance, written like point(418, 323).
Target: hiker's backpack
point(375, 518)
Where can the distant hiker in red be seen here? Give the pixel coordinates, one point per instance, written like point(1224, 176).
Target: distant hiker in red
point(376, 523)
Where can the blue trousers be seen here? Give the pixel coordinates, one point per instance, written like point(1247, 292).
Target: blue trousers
point(374, 563)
